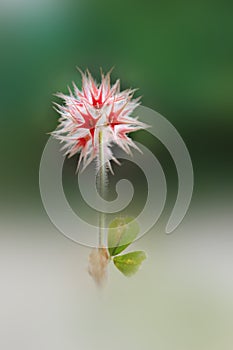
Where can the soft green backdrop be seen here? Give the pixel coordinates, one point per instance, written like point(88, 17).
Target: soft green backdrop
point(179, 54)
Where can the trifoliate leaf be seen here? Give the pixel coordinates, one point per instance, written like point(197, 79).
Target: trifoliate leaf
point(129, 263)
point(122, 232)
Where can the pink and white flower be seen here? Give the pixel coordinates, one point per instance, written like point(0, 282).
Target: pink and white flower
point(97, 110)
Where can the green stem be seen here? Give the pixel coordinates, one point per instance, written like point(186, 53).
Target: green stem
point(102, 183)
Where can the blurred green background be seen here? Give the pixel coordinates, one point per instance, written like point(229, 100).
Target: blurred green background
point(180, 56)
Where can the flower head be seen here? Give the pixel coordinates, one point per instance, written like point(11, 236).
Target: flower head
point(97, 111)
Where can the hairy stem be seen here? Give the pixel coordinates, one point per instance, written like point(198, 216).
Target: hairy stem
point(102, 185)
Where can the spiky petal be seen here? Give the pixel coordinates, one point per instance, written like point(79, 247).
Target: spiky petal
point(95, 108)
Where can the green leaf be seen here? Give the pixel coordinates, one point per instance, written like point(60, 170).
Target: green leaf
point(122, 232)
point(129, 263)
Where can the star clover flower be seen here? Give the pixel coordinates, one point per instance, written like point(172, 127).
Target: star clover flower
point(96, 111)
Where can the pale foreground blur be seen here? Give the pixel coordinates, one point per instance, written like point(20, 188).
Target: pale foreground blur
point(180, 299)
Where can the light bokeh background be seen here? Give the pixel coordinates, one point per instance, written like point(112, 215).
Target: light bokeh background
point(180, 55)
